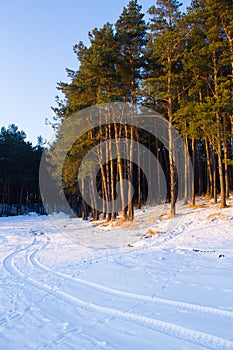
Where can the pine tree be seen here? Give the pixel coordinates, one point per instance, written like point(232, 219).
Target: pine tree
point(211, 70)
point(165, 49)
point(131, 37)
point(19, 173)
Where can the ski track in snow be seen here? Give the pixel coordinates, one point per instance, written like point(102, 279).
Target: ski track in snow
point(192, 336)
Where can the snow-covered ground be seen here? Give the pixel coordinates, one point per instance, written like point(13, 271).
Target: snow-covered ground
point(153, 284)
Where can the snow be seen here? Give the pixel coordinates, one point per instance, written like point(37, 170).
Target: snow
point(151, 284)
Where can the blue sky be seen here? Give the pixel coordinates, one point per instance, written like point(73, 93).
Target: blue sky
point(37, 39)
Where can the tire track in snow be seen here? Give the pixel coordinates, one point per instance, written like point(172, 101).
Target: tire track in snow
point(17, 315)
point(9, 265)
point(210, 311)
point(192, 336)
point(170, 329)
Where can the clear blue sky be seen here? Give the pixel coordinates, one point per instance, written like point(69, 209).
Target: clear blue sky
point(36, 40)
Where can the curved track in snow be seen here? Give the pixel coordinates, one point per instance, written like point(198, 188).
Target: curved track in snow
point(210, 311)
point(170, 329)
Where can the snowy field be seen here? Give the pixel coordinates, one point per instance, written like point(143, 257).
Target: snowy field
point(154, 284)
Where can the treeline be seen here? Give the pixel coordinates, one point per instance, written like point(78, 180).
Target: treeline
point(180, 65)
point(19, 173)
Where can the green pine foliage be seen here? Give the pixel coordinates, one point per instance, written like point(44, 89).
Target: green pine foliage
point(178, 64)
point(19, 173)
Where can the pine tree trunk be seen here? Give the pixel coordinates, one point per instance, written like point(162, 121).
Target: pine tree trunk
point(194, 171)
point(128, 167)
point(158, 199)
point(84, 205)
point(95, 214)
point(120, 172)
point(222, 184)
point(209, 171)
point(200, 172)
point(219, 137)
point(226, 153)
point(186, 169)
point(3, 198)
point(220, 166)
point(108, 179)
point(171, 146)
point(139, 172)
point(130, 177)
point(172, 171)
point(105, 193)
point(21, 198)
point(112, 176)
point(214, 178)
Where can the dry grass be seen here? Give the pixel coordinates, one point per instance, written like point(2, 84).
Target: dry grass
point(123, 222)
point(215, 216)
point(150, 233)
point(198, 205)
